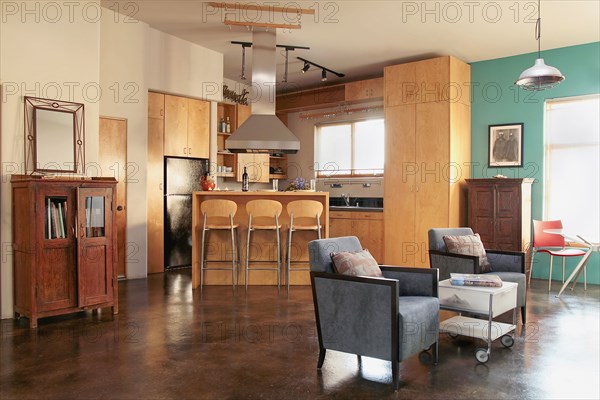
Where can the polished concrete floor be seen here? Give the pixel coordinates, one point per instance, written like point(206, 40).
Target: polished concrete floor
point(170, 342)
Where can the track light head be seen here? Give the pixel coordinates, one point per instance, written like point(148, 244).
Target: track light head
point(323, 76)
point(306, 67)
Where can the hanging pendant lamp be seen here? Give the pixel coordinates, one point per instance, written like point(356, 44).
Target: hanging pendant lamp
point(540, 76)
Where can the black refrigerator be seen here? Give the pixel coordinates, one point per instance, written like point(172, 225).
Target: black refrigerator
point(182, 177)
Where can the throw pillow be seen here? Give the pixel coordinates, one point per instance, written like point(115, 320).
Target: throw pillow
point(360, 263)
point(470, 245)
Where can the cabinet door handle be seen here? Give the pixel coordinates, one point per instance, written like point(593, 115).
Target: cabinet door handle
point(189, 150)
point(185, 150)
point(162, 113)
point(160, 187)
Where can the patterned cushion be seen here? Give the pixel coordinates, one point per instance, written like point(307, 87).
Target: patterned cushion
point(469, 245)
point(359, 263)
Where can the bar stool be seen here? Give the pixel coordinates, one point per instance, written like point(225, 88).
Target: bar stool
point(305, 215)
point(264, 215)
point(218, 215)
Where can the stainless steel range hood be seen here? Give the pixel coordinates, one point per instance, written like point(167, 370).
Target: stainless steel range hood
point(263, 131)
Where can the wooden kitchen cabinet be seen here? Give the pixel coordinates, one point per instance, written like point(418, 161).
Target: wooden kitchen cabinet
point(500, 211)
point(367, 90)
point(426, 160)
point(64, 242)
point(257, 166)
point(186, 127)
point(426, 81)
point(367, 226)
point(156, 105)
point(154, 191)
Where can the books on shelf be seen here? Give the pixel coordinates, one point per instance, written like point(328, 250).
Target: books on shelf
point(56, 218)
point(475, 280)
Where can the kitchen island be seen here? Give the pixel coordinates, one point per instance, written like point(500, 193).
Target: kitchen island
point(263, 243)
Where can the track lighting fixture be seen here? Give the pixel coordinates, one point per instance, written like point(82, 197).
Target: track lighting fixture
point(287, 48)
point(324, 70)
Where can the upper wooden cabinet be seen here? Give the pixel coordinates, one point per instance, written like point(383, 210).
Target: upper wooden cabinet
point(426, 158)
point(500, 211)
point(437, 79)
point(257, 166)
point(367, 90)
point(187, 127)
point(156, 105)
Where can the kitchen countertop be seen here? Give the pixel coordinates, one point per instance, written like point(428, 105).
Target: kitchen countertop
point(354, 209)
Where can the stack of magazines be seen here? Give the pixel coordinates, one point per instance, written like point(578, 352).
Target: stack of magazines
point(475, 280)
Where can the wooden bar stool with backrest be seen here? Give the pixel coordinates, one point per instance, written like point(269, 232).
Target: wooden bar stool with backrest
point(553, 244)
point(263, 215)
point(305, 215)
point(218, 215)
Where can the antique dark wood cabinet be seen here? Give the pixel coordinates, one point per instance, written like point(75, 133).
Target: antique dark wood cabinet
point(500, 211)
point(64, 244)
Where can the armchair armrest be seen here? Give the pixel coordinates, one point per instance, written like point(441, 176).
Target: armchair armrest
point(506, 261)
point(413, 281)
point(349, 309)
point(449, 262)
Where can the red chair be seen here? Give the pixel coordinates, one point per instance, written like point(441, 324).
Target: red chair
point(554, 245)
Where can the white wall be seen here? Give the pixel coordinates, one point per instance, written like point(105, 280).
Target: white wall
point(180, 67)
point(49, 54)
point(39, 53)
point(123, 76)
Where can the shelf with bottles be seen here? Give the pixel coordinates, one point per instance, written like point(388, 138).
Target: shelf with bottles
point(226, 118)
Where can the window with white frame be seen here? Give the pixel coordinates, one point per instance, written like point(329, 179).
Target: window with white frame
point(350, 148)
point(572, 164)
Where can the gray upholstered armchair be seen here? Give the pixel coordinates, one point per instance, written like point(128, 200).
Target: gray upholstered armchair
point(508, 265)
point(389, 318)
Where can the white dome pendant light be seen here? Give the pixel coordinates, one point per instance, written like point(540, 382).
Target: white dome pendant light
point(540, 76)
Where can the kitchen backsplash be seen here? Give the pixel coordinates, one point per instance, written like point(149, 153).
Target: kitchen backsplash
point(353, 187)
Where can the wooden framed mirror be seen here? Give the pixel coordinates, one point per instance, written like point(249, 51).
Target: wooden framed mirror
point(54, 136)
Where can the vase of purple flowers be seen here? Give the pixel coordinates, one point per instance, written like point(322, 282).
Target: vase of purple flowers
point(296, 184)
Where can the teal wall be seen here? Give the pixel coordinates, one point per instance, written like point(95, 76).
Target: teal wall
point(496, 100)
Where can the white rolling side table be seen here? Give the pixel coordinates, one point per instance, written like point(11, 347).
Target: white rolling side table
point(481, 300)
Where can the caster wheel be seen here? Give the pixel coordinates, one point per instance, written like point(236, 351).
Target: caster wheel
point(453, 335)
point(482, 355)
point(507, 341)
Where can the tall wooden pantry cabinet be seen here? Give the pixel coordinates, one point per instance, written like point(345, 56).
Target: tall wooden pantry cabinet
point(64, 243)
point(427, 153)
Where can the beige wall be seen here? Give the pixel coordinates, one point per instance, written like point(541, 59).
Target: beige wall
point(89, 52)
point(301, 164)
point(123, 49)
point(43, 56)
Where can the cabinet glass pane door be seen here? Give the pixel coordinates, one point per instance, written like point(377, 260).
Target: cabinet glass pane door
point(94, 216)
point(55, 217)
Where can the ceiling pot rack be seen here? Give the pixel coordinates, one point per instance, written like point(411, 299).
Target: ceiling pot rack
point(271, 9)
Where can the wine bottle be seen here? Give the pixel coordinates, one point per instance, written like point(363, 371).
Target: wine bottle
point(228, 125)
point(222, 125)
point(245, 180)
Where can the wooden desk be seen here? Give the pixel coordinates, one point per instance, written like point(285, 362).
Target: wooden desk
point(219, 247)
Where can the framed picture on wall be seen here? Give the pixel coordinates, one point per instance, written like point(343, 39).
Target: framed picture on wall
point(505, 145)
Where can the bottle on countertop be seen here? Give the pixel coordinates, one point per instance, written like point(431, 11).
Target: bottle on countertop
point(228, 125)
point(245, 180)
